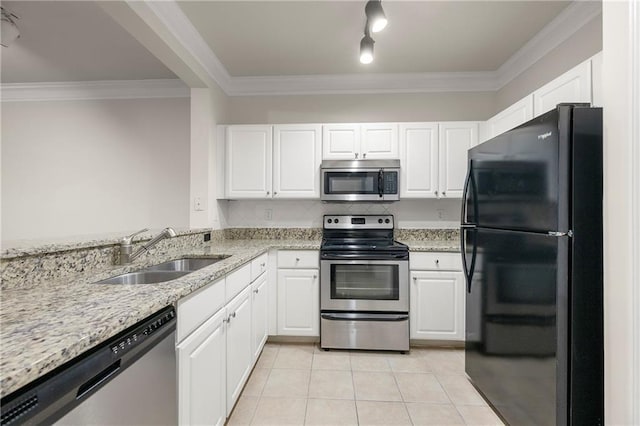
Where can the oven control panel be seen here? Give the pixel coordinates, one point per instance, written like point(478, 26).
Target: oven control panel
point(358, 222)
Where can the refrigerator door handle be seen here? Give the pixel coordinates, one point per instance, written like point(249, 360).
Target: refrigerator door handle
point(465, 192)
point(468, 273)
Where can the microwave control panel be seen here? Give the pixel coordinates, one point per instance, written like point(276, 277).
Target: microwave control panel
point(390, 183)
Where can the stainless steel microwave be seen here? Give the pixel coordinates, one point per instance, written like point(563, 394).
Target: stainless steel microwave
point(360, 180)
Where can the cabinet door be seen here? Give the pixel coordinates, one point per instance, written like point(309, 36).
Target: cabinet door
point(515, 115)
point(298, 302)
point(572, 86)
point(239, 338)
point(419, 160)
point(455, 139)
point(379, 141)
point(260, 315)
point(201, 374)
point(340, 141)
point(437, 305)
point(297, 154)
point(248, 162)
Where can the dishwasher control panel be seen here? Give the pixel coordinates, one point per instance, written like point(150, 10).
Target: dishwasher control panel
point(146, 329)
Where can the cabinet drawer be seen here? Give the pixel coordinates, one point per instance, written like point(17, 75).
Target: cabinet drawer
point(435, 261)
point(199, 306)
point(293, 259)
point(237, 280)
point(258, 266)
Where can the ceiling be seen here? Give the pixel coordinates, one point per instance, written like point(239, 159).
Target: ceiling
point(78, 41)
point(74, 41)
point(268, 38)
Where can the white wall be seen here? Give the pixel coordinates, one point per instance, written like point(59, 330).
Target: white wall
point(308, 214)
point(89, 167)
point(620, 335)
point(361, 108)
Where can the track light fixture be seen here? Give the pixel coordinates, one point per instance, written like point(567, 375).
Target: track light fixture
point(8, 29)
point(375, 15)
point(376, 21)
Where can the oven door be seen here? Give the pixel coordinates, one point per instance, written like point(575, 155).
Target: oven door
point(364, 285)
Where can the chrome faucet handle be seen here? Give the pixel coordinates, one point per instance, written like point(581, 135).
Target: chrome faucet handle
point(129, 238)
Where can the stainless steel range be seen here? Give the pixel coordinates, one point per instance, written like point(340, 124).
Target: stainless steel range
point(364, 284)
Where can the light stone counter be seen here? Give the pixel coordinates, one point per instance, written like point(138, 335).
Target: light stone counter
point(45, 325)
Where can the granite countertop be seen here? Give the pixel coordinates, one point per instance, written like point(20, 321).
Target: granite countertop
point(44, 326)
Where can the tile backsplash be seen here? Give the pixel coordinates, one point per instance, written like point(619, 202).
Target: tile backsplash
point(409, 214)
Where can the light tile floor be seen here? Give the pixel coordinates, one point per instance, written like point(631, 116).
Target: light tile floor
point(296, 384)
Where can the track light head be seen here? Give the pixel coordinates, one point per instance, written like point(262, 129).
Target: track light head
point(375, 15)
point(366, 49)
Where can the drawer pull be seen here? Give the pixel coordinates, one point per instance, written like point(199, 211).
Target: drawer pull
point(437, 262)
point(297, 259)
point(256, 291)
point(262, 265)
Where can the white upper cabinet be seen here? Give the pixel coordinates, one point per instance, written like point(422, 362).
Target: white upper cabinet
point(379, 141)
point(572, 86)
point(248, 161)
point(297, 154)
point(455, 139)
point(360, 141)
point(517, 114)
point(340, 141)
point(419, 160)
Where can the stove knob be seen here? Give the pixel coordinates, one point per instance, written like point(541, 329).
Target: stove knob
point(379, 220)
point(387, 221)
point(336, 221)
point(329, 220)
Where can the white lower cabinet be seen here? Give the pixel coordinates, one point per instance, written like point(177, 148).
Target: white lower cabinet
point(201, 377)
point(218, 344)
point(239, 353)
point(259, 314)
point(437, 297)
point(298, 302)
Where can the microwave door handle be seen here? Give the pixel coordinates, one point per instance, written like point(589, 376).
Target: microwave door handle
point(380, 180)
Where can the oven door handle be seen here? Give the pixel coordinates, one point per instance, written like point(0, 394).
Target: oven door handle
point(359, 256)
point(363, 317)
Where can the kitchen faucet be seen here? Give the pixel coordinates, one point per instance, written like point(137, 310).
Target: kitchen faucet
point(126, 247)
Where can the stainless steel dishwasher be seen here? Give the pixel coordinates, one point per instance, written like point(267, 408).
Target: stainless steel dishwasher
point(129, 379)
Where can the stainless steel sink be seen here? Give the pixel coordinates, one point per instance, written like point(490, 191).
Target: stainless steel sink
point(165, 271)
point(188, 264)
point(144, 277)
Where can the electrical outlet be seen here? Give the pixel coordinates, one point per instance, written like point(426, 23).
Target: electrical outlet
point(268, 214)
point(197, 204)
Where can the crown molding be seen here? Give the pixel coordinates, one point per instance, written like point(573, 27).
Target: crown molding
point(563, 26)
point(361, 84)
point(90, 90)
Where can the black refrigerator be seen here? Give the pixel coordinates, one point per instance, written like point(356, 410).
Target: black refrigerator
point(531, 235)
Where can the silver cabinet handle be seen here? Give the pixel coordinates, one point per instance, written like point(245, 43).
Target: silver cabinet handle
point(415, 279)
point(437, 262)
point(256, 291)
point(262, 264)
point(315, 276)
point(444, 193)
point(233, 315)
point(364, 155)
point(356, 155)
point(275, 192)
point(436, 192)
point(297, 259)
point(268, 192)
